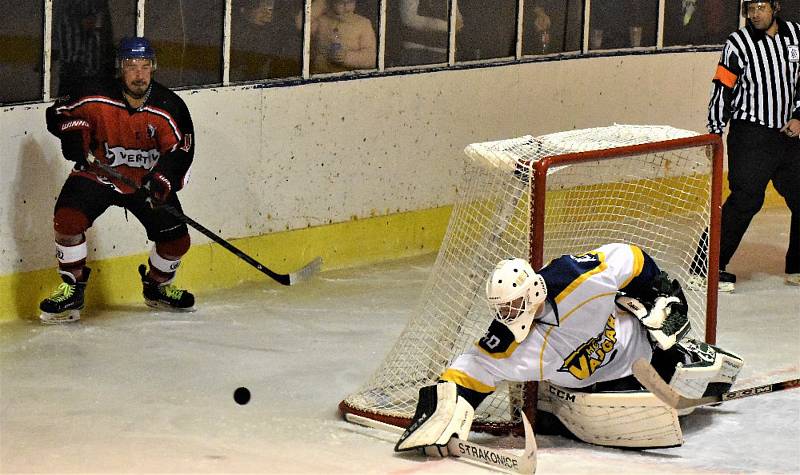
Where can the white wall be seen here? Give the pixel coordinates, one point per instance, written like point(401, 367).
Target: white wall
point(272, 159)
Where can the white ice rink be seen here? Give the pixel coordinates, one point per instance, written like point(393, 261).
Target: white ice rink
point(128, 390)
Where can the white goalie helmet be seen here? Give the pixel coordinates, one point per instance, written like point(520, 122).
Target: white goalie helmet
point(515, 292)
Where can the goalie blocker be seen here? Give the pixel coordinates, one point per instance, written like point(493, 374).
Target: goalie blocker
point(441, 414)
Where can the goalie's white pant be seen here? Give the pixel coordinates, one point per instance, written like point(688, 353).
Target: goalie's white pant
point(619, 419)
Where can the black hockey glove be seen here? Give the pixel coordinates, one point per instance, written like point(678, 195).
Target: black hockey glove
point(662, 309)
point(75, 138)
point(157, 188)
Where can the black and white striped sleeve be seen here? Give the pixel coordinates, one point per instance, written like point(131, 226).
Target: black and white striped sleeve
point(727, 74)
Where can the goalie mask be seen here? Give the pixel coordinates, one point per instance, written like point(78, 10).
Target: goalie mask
point(515, 292)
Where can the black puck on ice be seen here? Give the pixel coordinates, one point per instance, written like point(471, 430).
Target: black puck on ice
point(241, 396)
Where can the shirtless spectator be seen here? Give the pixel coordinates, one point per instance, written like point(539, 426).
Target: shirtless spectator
point(342, 40)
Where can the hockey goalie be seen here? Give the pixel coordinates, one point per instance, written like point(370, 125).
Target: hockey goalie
point(578, 325)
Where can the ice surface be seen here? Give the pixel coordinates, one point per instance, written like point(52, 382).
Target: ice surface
point(129, 390)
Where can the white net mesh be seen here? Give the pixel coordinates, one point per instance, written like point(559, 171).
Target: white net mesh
point(659, 200)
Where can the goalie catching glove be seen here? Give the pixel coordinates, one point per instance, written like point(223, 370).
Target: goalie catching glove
point(664, 311)
point(441, 414)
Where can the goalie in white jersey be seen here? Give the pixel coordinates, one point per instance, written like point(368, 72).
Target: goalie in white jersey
point(579, 323)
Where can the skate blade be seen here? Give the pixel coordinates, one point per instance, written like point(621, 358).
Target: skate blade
point(726, 287)
point(165, 306)
point(699, 285)
point(69, 316)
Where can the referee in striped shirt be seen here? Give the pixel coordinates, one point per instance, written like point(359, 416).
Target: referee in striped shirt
point(756, 89)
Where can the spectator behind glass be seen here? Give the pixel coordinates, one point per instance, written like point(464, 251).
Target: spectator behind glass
point(342, 40)
point(623, 24)
point(552, 26)
point(264, 43)
point(541, 28)
point(699, 22)
point(421, 29)
point(83, 43)
point(490, 30)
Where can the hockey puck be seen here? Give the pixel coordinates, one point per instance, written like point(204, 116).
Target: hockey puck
point(241, 396)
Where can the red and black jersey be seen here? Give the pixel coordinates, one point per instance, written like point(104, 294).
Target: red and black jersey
point(159, 136)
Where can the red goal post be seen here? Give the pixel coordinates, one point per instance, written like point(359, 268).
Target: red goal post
point(711, 141)
point(564, 193)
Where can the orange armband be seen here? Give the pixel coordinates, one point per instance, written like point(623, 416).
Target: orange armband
point(725, 77)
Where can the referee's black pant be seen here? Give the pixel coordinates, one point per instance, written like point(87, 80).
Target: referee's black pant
point(756, 155)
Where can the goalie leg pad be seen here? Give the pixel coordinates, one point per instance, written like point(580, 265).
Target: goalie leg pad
point(635, 419)
point(441, 413)
point(707, 371)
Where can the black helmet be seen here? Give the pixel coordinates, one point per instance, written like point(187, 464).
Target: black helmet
point(774, 3)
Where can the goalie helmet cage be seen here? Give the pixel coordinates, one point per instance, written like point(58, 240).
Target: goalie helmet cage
point(564, 193)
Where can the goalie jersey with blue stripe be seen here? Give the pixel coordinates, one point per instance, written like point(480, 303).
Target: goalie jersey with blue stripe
point(580, 338)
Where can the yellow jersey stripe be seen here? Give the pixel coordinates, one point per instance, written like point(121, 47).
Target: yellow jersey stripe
point(581, 278)
point(465, 380)
point(638, 264)
point(498, 356)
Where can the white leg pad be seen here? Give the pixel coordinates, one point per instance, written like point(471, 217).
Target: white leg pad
point(622, 419)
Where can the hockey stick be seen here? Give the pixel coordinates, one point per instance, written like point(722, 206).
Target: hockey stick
point(497, 459)
point(286, 279)
point(653, 382)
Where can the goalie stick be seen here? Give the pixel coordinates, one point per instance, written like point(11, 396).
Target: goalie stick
point(653, 382)
point(285, 279)
point(497, 459)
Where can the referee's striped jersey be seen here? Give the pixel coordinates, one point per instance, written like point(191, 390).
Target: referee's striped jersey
point(757, 78)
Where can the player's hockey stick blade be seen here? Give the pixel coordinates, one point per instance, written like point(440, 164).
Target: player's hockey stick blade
point(652, 381)
point(497, 459)
point(285, 279)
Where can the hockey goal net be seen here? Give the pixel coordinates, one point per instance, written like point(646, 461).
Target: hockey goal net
point(564, 193)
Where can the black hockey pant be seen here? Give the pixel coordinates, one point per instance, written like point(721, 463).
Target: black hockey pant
point(756, 155)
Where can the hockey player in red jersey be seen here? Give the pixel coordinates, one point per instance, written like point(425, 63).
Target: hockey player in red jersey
point(143, 131)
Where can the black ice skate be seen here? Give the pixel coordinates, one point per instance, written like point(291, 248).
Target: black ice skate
point(165, 295)
point(64, 305)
